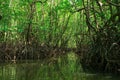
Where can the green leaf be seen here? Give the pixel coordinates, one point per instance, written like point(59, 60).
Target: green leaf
point(79, 2)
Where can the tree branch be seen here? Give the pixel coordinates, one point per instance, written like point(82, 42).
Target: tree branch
point(111, 3)
point(38, 1)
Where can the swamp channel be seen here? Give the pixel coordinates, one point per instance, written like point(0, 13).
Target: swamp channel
point(59, 39)
point(65, 67)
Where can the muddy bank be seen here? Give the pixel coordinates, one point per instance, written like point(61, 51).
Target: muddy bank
point(36, 51)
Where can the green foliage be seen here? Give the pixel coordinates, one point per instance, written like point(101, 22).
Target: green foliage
point(64, 6)
point(63, 23)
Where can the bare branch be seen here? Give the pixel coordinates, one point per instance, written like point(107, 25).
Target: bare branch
point(38, 1)
point(77, 10)
point(111, 3)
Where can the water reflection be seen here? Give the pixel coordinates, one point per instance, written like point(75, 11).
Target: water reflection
point(38, 71)
point(7, 72)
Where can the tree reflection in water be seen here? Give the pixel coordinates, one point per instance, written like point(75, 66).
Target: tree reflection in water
point(37, 71)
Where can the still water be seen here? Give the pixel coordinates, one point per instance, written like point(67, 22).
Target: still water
point(64, 68)
point(38, 71)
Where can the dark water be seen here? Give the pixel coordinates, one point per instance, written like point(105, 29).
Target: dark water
point(40, 71)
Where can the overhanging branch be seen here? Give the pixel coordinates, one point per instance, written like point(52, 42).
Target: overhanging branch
point(111, 3)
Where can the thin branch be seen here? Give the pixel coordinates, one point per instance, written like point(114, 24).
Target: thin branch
point(111, 3)
point(38, 1)
point(88, 18)
point(78, 10)
point(112, 19)
point(94, 14)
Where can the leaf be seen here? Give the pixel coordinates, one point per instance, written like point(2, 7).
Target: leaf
point(64, 6)
point(79, 2)
point(20, 30)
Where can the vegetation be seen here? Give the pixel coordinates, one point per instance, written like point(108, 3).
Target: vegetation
point(44, 29)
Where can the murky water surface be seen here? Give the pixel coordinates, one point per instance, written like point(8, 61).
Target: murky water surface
point(63, 68)
point(39, 71)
